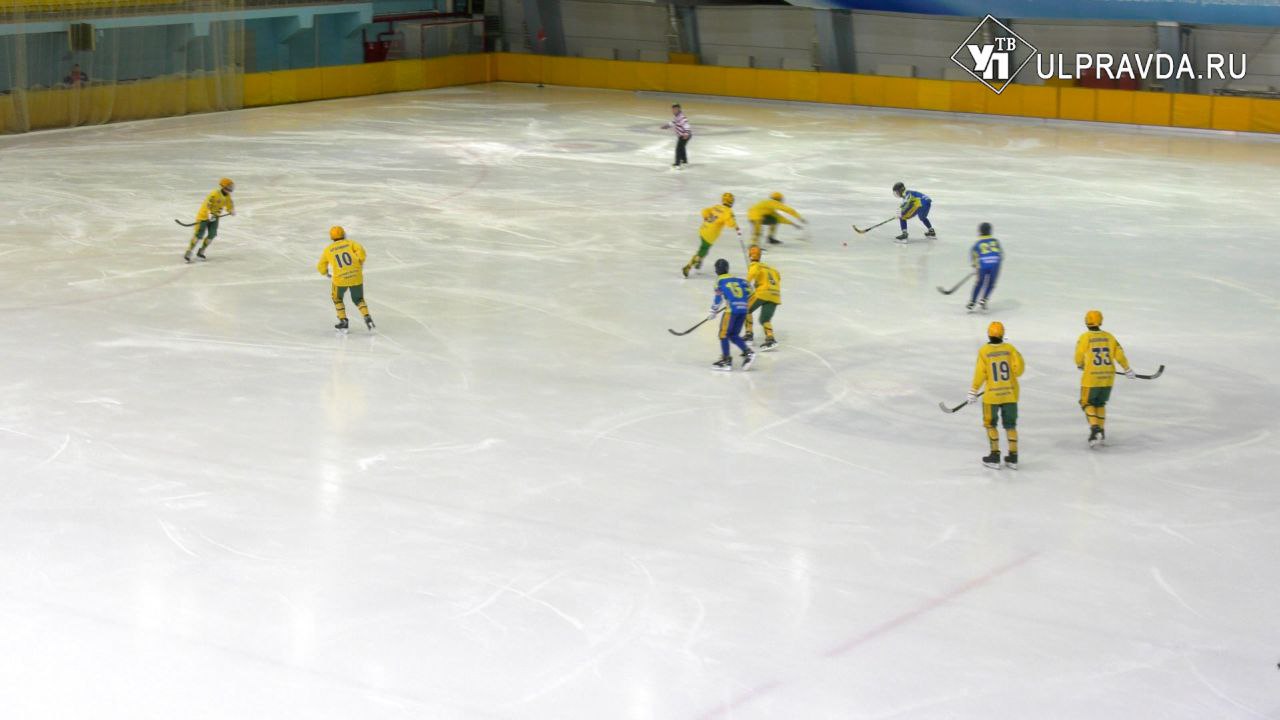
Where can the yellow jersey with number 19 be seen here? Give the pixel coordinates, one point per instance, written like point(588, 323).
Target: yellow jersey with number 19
point(766, 281)
point(346, 257)
point(714, 221)
point(1097, 352)
point(999, 365)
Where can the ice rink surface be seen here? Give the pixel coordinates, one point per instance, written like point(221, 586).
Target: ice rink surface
point(522, 498)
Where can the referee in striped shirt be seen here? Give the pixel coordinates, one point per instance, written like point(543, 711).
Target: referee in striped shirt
point(680, 124)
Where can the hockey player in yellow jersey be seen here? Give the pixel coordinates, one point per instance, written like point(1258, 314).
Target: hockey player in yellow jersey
point(343, 260)
point(766, 296)
point(769, 213)
point(999, 366)
point(218, 204)
point(1097, 354)
point(714, 220)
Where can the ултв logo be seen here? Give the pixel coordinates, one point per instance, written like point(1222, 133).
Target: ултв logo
point(988, 54)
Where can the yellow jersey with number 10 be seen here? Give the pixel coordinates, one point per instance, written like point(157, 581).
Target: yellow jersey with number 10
point(346, 257)
point(714, 221)
point(999, 365)
point(767, 282)
point(1097, 353)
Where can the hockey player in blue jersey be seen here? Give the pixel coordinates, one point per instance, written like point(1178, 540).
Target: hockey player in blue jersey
point(986, 257)
point(735, 293)
point(914, 204)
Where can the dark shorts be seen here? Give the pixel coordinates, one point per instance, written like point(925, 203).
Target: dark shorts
point(207, 226)
point(1095, 396)
point(766, 309)
point(357, 293)
point(731, 324)
point(1005, 414)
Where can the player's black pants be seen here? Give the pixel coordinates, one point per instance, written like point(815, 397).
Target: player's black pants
point(682, 158)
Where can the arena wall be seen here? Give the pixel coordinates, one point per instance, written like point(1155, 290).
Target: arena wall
point(60, 107)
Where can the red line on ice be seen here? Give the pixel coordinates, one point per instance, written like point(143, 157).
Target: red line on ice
point(881, 629)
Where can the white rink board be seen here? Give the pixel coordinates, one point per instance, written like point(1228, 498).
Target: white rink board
point(522, 498)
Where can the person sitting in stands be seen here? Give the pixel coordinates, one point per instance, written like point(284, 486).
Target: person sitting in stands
point(77, 77)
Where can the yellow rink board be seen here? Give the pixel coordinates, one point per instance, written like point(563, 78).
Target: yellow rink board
point(1207, 112)
point(60, 107)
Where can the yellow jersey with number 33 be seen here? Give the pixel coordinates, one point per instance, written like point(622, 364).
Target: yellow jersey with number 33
point(999, 365)
point(767, 282)
point(1097, 353)
point(714, 221)
point(346, 257)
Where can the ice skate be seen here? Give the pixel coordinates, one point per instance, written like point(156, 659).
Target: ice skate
point(749, 337)
point(341, 326)
point(1011, 461)
point(187, 256)
point(748, 359)
point(901, 238)
point(775, 241)
point(930, 233)
point(685, 271)
point(769, 345)
point(368, 321)
point(200, 254)
point(1095, 436)
point(992, 460)
point(969, 306)
point(724, 364)
point(982, 304)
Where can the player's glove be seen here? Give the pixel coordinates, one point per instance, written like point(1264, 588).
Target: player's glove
point(1129, 373)
point(971, 396)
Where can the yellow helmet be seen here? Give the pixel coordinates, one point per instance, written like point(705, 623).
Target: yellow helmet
point(753, 252)
point(995, 330)
point(337, 233)
point(226, 184)
point(727, 199)
point(776, 196)
point(1093, 318)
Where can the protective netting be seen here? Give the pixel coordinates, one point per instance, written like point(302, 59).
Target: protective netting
point(80, 62)
point(438, 38)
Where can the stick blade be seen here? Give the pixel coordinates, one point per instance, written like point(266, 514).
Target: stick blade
point(943, 407)
point(1159, 371)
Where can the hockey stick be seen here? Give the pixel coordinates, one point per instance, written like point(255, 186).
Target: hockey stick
point(695, 327)
point(945, 291)
point(192, 224)
point(949, 410)
point(1159, 371)
point(873, 227)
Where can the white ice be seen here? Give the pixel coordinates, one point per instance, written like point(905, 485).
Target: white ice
point(522, 498)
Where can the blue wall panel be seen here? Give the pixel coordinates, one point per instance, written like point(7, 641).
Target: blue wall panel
point(1236, 12)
